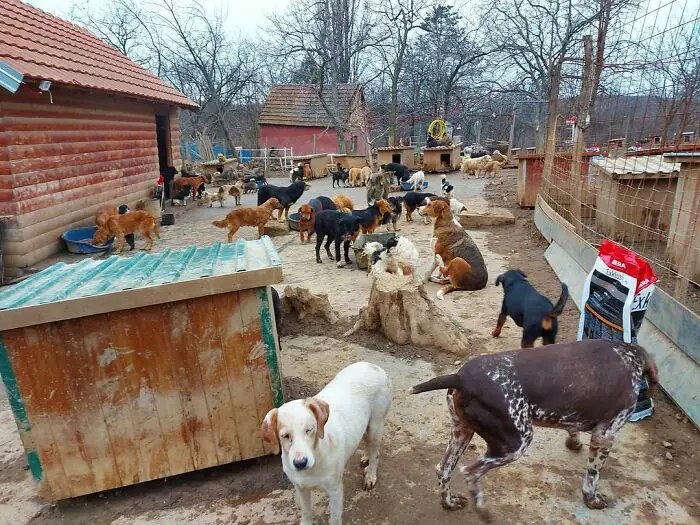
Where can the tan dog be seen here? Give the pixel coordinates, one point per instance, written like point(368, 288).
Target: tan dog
point(494, 168)
point(120, 225)
point(195, 182)
point(306, 221)
point(308, 172)
point(234, 191)
point(366, 175)
point(249, 217)
point(343, 202)
point(209, 198)
point(355, 177)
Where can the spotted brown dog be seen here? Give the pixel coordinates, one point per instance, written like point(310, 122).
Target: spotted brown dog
point(582, 386)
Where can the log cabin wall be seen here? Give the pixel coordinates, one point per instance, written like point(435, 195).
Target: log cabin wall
point(61, 161)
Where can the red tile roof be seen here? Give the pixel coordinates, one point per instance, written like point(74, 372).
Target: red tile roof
point(300, 105)
point(44, 47)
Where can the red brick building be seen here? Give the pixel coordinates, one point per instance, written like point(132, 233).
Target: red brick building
point(293, 116)
point(98, 136)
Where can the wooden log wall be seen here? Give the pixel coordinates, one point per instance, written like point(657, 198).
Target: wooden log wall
point(60, 162)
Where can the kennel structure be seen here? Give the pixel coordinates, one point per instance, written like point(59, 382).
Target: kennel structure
point(442, 158)
point(124, 370)
point(635, 197)
point(347, 161)
point(402, 154)
point(317, 162)
point(82, 126)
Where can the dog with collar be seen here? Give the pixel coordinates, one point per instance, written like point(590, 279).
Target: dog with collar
point(581, 386)
point(318, 435)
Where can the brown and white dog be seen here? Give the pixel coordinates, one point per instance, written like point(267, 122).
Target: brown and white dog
point(318, 435)
point(582, 386)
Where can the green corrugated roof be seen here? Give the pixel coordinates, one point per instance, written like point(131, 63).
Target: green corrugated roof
point(94, 276)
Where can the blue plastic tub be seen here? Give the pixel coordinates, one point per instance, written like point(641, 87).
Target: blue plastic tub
point(260, 183)
point(294, 221)
point(406, 186)
point(79, 240)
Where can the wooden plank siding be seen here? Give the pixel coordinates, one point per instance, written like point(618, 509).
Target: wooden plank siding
point(60, 162)
point(135, 395)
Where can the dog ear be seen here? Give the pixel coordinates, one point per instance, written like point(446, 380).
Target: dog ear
point(269, 430)
point(499, 280)
point(321, 411)
point(522, 273)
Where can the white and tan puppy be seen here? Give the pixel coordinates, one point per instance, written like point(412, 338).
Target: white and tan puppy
point(318, 435)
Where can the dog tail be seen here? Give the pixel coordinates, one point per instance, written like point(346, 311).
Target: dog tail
point(438, 383)
point(220, 224)
point(558, 308)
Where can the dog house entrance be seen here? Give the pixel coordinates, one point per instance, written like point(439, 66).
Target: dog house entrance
point(396, 157)
point(163, 139)
point(445, 159)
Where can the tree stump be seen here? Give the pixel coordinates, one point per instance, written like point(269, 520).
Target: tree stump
point(306, 304)
point(401, 309)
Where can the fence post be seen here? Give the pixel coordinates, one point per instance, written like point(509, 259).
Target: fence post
point(265, 160)
point(552, 106)
point(583, 115)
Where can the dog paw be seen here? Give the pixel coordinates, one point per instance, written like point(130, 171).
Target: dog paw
point(438, 470)
point(573, 443)
point(495, 333)
point(440, 295)
point(597, 502)
point(319, 261)
point(370, 481)
point(364, 461)
point(453, 501)
point(340, 264)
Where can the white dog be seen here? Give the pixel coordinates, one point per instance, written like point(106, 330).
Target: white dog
point(416, 180)
point(399, 256)
point(318, 435)
point(456, 208)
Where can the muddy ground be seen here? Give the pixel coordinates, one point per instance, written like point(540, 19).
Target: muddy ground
point(543, 487)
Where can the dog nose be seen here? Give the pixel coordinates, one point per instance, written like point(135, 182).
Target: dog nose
point(300, 463)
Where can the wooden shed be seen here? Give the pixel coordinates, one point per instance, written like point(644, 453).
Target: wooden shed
point(683, 249)
point(347, 161)
point(402, 154)
point(635, 197)
point(125, 370)
point(442, 158)
point(318, 163)
point(81, 125)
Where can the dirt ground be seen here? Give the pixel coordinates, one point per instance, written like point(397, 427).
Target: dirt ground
point(543, 487)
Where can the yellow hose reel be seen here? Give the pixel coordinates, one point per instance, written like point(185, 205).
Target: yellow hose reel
point(437, 129)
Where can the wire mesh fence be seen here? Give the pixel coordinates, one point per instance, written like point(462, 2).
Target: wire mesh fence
point(623, 160)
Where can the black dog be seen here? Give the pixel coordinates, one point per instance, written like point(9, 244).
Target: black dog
point(322, 203)
point(340, 176)
point(200, 190)
point(413, 200)
point(181, 195)
point(370, 217)
point(530, 310)
point(277, 307)
point(129, 237)
point(336, 226)
point(168, 177)
point(287, 196)
point(401, 171)
point(395, 214)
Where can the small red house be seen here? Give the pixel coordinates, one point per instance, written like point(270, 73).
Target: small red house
point(81, 126)
point(294, 117)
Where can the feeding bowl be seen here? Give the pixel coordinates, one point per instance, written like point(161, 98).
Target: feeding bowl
point(407, 186)
point(79, 240)
point(294, 221)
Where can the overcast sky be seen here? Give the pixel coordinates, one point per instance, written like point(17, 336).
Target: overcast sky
point(242, 15)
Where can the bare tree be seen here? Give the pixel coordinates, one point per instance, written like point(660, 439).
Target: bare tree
point(401, 18)
point(332, 38)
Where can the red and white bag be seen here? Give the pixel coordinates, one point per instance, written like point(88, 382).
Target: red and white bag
point(616, 295)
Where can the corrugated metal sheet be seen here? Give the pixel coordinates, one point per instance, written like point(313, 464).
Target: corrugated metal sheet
point(300, 105)
point(95, 277)
point(10, 79)
point(44, 47)
point(636, 165)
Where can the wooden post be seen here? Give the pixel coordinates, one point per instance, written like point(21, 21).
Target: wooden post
point(582, 121)
point(511, 137)
point(265, 160)
point(552, 106)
